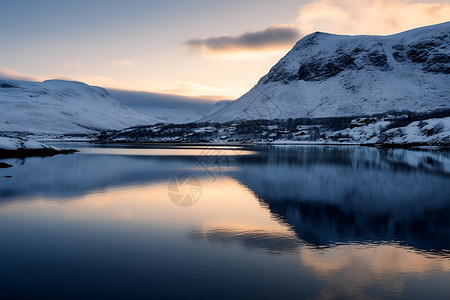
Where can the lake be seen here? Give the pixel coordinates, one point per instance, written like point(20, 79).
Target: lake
point(222, 222)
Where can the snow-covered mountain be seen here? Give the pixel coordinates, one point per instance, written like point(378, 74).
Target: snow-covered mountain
point(327, 75)
point(62, 107)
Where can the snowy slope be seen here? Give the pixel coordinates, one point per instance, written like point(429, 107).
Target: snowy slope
point(327, 75)
point(14, 144)
point(430, 132)
point(62, 107)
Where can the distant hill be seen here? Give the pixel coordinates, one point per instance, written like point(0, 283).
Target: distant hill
point(168, 108)
point(62, 107)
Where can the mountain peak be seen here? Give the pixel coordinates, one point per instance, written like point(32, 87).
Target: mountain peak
point(328, 75)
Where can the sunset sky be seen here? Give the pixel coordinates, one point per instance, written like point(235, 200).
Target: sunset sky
point(215, 49)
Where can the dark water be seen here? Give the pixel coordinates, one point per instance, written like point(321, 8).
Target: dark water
point(282, 222)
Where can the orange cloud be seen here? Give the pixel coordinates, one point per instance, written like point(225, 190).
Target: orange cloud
point(380, 17)
point(123, 62)
point(369, 17)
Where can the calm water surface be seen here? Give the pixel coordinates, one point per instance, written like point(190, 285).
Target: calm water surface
point(163, 222)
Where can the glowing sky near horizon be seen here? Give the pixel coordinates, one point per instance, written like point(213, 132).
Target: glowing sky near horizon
point(216, 49)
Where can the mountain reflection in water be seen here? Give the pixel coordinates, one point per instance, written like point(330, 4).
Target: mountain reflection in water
point(323, 222)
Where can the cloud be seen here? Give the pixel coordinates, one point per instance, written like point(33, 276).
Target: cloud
point(368, 16)
point(271, 38)
point(334, 16)
point(73, 64)
point(123, 62)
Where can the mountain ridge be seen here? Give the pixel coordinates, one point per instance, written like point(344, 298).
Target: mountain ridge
point(328, 75)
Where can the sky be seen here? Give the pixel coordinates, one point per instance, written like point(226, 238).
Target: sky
point(196, 48)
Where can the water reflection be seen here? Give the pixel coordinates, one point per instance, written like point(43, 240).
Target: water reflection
point(328, 195)
point(382, 271)
point(174, 151)
point(277, 222)
point(257, 238)
point(334, 195)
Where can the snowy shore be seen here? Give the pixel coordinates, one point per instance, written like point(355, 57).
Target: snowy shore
point(17, 147)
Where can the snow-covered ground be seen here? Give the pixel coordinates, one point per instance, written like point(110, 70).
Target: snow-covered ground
point(62, 107)
point(327, 75)
point(430, 132)
point(399, 130)
point(13, 144)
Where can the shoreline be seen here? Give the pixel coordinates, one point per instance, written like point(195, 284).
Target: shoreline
point(44, 152)
point(410, 146)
